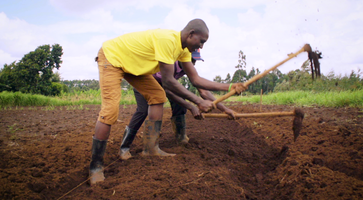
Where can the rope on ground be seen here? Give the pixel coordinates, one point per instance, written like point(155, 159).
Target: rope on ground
point(85, 181)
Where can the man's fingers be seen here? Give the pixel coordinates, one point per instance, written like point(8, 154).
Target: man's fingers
point(200, 117)
point(240, 87)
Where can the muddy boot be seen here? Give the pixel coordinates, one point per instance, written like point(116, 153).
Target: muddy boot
point(127, 140)
point(96, 165)
point(178, 124)
point(151, 139)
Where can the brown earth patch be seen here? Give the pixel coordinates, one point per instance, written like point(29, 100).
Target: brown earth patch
point(45, 154)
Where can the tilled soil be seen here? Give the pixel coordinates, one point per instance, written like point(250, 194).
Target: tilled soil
point(45, 154)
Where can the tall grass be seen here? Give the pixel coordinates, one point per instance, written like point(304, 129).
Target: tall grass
point(20, 99)
point(92, 97)
point(308, 98)
point(299, 98)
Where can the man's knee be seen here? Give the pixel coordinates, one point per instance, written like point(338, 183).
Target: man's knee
point(108, 116)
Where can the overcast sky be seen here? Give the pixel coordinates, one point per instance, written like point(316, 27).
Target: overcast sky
point(265, 30)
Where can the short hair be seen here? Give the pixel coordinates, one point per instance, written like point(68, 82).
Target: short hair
point(198, 25)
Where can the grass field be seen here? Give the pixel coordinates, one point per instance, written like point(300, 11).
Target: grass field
point(304, 98)
point(93, 97)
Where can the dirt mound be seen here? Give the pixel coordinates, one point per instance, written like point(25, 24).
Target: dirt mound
point(45, 154)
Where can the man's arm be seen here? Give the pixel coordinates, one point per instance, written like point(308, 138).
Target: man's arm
point(205, 94)
point(200, 82)
point(171, 84)
point(194, 110)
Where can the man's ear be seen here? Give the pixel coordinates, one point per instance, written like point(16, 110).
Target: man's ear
point(191, 32)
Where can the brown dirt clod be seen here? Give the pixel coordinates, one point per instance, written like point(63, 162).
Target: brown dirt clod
point(297, 123)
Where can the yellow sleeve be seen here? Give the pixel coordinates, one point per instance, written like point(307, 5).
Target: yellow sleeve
point(186, 56)
point(164, 51)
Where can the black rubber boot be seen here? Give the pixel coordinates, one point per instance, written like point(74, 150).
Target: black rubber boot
point(151, 139)
point(96, 165)
point(178, 124)
point(127, 140)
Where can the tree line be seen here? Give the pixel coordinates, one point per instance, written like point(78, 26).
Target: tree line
point(266, 84)
point(298, 79)
point(85, 85)
point(34, 74)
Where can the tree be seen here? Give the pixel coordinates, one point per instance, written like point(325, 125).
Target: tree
point(266, 83)
point(34, 72)
point(218, 79)
point(241, 60)
point(7, 78)
point(228, 79)
point(240, 74)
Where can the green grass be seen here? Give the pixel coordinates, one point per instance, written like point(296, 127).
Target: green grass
point(17, 100)
point(13, 99)
point(304, 98)
point(12, 130)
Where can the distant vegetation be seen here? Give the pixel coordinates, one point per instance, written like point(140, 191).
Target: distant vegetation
point(308, 98)
point(11, 99)
point(352, 98)
point(34, 72)
point(31, 82)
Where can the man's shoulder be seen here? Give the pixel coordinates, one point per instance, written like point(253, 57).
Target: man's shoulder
point(165, 33)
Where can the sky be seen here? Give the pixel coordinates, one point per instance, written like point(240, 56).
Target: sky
point(265, 30)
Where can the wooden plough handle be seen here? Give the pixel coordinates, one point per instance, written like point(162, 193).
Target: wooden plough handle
point(249, 115)
point(306, 48)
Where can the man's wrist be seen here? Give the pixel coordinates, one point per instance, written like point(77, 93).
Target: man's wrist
point(198, 101)
point(189, 106)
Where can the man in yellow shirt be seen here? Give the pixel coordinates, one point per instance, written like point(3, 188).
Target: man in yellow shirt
point(135, 57)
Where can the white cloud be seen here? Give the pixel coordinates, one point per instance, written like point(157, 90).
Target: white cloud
point(15, 35)
point(231, 3)
point(6, 58)
point(266, 31)
point(285, 27)
point(79, 67)
point(82, 7)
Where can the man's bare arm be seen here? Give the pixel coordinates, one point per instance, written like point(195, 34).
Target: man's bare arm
point(203, 83)
point(171, 84)
point(194, 110)
point(200, 82)
point(205, 94)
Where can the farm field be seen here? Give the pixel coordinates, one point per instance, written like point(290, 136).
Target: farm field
point(45, 154)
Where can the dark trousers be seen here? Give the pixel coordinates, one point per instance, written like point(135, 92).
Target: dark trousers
point(142, 110)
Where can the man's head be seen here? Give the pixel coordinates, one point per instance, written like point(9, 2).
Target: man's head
point(194, 35)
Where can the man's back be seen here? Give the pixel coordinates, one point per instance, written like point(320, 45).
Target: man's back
point(139, 53)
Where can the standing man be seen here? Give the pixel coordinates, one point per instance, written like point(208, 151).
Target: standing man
point(135, 57)
point(178, 105)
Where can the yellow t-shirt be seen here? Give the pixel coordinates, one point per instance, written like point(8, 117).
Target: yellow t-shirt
point(139, 53)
